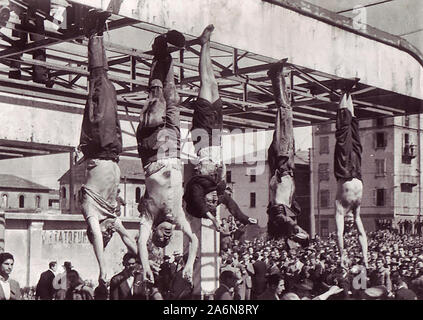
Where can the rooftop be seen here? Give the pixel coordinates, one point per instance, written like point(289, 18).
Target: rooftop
point(11, 181)
point(129, 168)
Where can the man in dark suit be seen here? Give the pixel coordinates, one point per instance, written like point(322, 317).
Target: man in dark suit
point(258, 277)
point(9, 288)
point(275, 287)
point(45, 290)
point(166, 274)
point(128, 284)
point(227, 281)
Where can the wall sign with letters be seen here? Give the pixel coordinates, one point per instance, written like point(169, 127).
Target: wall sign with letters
point(64, 237)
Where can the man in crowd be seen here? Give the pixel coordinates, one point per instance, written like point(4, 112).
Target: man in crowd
point(77, 289)
point(275, 287)
point(206, 189)
point(158, 137)
point(282, 206)
point(401, 290)
point(347, 163)
point(44, 289)
point(227, 282)
point(101, 144)
point(258, 277)
point(128, 284)
point(381, 275)
point(9, 288)
point(166, 274)
point(60, 281)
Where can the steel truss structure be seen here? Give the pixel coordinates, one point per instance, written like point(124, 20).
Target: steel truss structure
point(243, 82)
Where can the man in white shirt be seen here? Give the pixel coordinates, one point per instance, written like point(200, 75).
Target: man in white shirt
point(9, 288)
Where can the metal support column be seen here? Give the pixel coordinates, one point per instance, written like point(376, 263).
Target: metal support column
point(133, 71)
point(71, 183)
point(181, 69)
point(235, 61)
point(2, 228)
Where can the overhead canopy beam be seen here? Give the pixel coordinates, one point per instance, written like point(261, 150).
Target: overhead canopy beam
point(15, 50)
point(336, 50)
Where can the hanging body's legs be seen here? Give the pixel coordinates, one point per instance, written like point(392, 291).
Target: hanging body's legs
point(347, 164)
point(207, 122)
point(158, 137)
point(282, 206)
point(101, 143)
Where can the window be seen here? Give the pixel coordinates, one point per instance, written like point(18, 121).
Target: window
point(252, 200)
point(323, 171)
point(406, 144)
point(137, 194)
point(409, 149)
point(406, 139)
point(324, 145)
point(228, 176)
point(380, 167)
point(407, 187)
point(380, 197)
point(37, 202)
point(380, 140)
point(380, 122)
point(324, 198)
point(63, 192)
point(324, 228)
point(4, 201)
point(406, 121)
point(53, 203)
point(21, 201)
point(253, 178)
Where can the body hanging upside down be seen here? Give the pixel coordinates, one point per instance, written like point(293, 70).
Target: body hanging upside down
point(158, 137)
point(282, 207)
point(101, 144)
point(347, 165)
point(205, 191)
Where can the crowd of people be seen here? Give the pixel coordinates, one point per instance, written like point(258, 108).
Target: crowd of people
point(260, 269)
point(395, 268)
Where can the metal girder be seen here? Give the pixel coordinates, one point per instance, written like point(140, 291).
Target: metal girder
point(36, 146)
point(13, 150)
point(50, 41)
point(246, 90)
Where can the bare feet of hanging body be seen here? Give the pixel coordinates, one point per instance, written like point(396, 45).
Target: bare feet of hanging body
point(205, 36)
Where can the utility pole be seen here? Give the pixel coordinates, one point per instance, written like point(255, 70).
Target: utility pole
point(420, 171)
point(124, 196)
point(2, 225)
point(312, 194)
point(71, 183)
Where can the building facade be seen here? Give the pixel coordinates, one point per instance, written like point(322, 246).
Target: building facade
point(391, 172)
point(21, 195)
